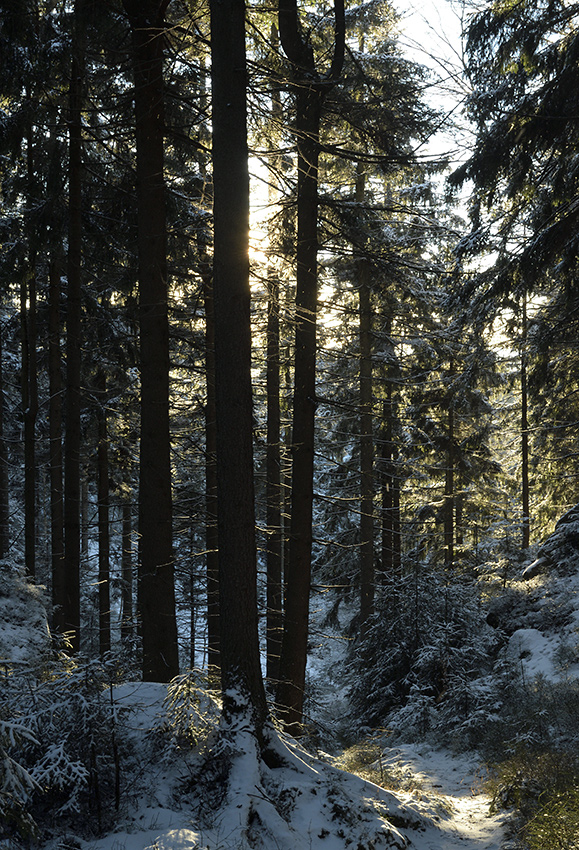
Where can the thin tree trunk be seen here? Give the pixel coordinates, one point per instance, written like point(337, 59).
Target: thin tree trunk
point(290, 692)
point(103, 521)
point(127, 624)
point(525, 435)
point(4, 477)
point(241, 680)
point(310, 89)
point(211, 535)
point(30, 412)
point(449, 486)
point(55, 437)
point(274, 531)
point(71, 619)
point(156, 590)
point(274, 542)
point(366, 435)
point(84, 519)
point(366, 459)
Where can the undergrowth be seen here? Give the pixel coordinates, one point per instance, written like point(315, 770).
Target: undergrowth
point(542, 786)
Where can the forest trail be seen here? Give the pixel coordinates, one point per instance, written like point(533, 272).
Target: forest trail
point(453, 785)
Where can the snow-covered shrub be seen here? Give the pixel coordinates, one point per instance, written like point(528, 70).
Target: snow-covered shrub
point(70, 752)
point(24, 636)
point(426, 647)
point(192, 710)
point(16, 784)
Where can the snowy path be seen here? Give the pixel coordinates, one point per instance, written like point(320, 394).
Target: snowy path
point(452, 786)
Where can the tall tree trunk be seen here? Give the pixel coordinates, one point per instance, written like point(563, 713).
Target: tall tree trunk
point(71, 619)
point(103, 520)
point(156, 590)
point(366, 457)
point(4, 476)
point(366, 433)
point(211, 535)
point(526, 530)
point(55, 452)
point(30, 412)
point(127, 625)
point(274, 541)
point(390, 483)
point(241, 680)
point(274, 532)
point(449, 497)
point(310, 89)
point(29, 385)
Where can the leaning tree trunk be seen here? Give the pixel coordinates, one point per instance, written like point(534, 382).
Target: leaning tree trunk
point(156, 590)
point(310, 88)
point(242, 684)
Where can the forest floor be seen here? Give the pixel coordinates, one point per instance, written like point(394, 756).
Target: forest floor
point(439, 802)
point(457, 782)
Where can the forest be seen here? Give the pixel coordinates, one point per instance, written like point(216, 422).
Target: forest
point(289, 429)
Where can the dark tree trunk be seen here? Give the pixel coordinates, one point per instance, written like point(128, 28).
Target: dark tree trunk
point(211, 536)
point(274, 541)
point(390, 483)
point(449, 487)
point(241, 679)
point(366, 458)
point(30, 412)
point(127, 625)
point(274, 532)
point(4, 477)
point(290, 693)
point(310, 89)
point(55, 451)
point(156, 576)
point(525, 435)
point(366, 434)
point(103, 520)
point(72, 446)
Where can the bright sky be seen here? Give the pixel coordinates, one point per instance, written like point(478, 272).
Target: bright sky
point(431, 35)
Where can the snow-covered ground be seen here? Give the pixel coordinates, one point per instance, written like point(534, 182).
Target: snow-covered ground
point(306, 803)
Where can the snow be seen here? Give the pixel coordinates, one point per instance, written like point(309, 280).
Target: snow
point(24, 636)
point(303, 803)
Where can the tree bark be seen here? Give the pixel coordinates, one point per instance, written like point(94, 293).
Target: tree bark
point(449, 496)
point(127, 624)
point(526, 530)
point(274, 530)
point(156, 591)
point(4, 476)
point(241, 680)
point(55, 452)
point(103, 520)
point(366, 434)
point(366, 458)
point(310, 88)
point(71, 619)
point(29, 412)
point(211, 535)
point(274, 541)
